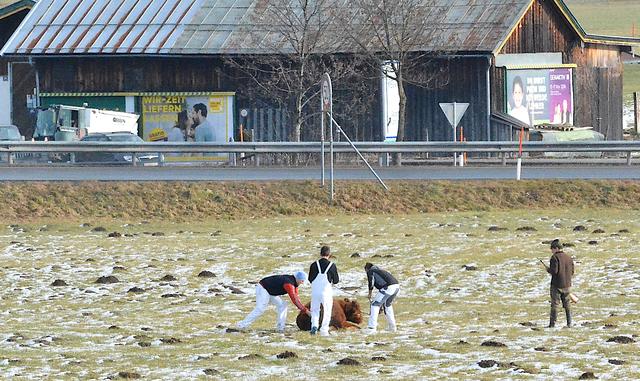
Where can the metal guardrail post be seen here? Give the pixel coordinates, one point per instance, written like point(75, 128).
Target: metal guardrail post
point(72, 157)
point(10, 158)
point(629, 158)
point(503, 156)
point(134, 159)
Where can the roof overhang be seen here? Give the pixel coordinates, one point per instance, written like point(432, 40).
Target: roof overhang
point(15, 7)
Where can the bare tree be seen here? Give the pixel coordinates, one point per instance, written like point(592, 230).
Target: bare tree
point(296, 40)
point(400, 34)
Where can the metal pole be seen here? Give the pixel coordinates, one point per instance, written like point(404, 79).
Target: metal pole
point(322, 128)
point(359, 154)
point(331, 153)
point(636, 111)
point(37, 82)
point(455, 155)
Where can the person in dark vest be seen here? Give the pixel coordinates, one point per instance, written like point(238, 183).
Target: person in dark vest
point(388, 288)
point(561, 270)
point(269, 290)
point(322, 275)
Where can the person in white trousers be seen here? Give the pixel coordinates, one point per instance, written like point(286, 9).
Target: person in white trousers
point(388, 289)
point(322, 275)
point(269, 290)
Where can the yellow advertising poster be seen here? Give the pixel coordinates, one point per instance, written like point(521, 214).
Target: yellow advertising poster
point(216, 104)
point(188, 117)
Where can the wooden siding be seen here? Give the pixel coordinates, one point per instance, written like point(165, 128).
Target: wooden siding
point(597, 79)
point(23, 77)
point(130, 74)
point(187, 74)
point(464, 81)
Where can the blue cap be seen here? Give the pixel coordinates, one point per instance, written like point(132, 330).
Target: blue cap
point(301, 275)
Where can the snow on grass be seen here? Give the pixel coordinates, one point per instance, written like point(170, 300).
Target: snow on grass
point(460, 285)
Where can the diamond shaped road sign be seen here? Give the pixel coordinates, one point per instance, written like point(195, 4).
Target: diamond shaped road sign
point(454, 112)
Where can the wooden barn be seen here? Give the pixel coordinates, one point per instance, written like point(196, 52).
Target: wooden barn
point(13, 94)
point(515, 62)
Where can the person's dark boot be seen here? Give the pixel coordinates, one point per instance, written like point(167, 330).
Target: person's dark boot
point(553, 316)
point(314, 330)
point(568, 314)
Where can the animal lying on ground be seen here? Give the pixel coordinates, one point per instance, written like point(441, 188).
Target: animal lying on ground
point(345, 314)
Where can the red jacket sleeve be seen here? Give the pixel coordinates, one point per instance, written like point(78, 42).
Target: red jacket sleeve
point(293, 294)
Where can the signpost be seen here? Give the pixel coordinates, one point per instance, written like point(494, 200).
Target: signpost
point(454, 112)
point(327, 115)
point(326, 95)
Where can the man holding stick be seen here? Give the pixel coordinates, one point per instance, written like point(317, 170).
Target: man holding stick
point(561, 270)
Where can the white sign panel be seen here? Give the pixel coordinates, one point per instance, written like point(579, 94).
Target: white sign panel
point(326, 93)
point(454, 112)
point(390, 102)
point(5, 103)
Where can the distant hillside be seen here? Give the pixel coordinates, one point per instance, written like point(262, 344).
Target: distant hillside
point(608, 17)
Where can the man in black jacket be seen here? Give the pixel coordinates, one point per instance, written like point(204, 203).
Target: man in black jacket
point(388, 289)
point(561, 270)
point(323, 274)
point(269, 290)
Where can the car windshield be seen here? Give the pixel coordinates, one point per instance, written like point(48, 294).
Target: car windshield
point(45, 123)
point(126, 138)
point(95, 138)
point(9, 133)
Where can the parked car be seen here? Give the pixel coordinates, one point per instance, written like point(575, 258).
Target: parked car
point(114, 158)
point(10, 133)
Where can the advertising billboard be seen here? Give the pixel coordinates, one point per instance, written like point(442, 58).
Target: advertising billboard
point(188, 117)
point(538, 96)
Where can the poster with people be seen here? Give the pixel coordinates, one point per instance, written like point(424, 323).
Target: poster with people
point(184, 117)
point(538, 96)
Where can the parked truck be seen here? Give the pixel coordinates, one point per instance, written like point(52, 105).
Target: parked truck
point(65, 123)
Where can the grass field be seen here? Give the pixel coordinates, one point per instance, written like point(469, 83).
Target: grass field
point(177, 329)
point(608, 17)
point(631, 81)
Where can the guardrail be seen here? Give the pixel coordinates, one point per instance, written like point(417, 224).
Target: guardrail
point(624, 147)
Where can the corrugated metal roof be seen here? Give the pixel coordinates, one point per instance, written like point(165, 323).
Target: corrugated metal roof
point(185, 27)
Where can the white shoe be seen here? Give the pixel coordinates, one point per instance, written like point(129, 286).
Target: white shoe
point(324, 334)
point(369, 331)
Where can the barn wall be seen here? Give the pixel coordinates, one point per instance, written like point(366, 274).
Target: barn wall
point(597, 79)
point(130, 74)
point(461, 80)
point(269, 121)
point(23, 76)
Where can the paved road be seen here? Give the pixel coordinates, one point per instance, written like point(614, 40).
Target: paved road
point(272, 174)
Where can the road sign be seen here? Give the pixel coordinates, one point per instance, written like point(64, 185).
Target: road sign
point(326, 93)
point(454, 112)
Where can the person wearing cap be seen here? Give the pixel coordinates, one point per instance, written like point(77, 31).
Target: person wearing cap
point(561, 270)
point(388, 287)
point(269, 290)
point(322, 275)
